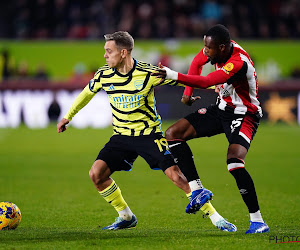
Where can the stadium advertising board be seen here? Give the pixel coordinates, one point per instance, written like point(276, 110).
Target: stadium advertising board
point(37, 108)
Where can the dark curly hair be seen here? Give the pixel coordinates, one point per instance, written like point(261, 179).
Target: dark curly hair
point(220, 34)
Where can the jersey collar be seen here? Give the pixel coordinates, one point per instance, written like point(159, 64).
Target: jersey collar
point(129, 73)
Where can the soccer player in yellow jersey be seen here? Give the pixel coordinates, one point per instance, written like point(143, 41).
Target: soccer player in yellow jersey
point(137, 132)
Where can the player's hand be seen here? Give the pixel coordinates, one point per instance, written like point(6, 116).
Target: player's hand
point(160, 73)
point(217, 88)
point(189, 100)
point(62, 125)
point(165, 73)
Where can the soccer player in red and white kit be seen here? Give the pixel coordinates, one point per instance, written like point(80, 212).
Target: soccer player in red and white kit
point(236, 113)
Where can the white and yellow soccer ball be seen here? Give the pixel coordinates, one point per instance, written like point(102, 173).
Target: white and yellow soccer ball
point(10, 215)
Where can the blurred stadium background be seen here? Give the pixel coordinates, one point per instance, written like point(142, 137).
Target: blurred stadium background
point(51, 48)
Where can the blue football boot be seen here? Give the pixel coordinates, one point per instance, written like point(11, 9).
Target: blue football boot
point(226, 226)
point(258, 227)
point(198, 199)
point(122, 224)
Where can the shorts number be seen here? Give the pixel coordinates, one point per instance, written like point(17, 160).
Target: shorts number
point(235, 123)
point(161, 142)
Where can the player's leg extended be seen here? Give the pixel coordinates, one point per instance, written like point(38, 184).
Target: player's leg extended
point(235, 163)
point(108, 189)
point(177, 135)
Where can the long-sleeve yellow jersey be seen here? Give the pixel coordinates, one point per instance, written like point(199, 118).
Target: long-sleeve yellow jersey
point(131, 98)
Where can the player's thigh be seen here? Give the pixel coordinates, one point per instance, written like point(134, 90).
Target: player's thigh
point(117, 154)
point(206, 122)
point(155, 150)
point(241, 129)
point(182, 130)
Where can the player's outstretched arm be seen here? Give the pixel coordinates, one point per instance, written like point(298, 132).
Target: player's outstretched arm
point(61, 126)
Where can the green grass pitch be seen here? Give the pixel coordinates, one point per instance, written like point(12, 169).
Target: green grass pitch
point(46, 175)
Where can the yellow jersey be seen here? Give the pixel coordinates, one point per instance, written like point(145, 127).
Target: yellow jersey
point(131, 98)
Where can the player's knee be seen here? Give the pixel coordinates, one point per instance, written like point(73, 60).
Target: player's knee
point(99, 172)
point(172, 133)
point(96, 176)
point(235, 163)
point(92, 175)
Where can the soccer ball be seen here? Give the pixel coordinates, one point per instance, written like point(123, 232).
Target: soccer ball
point(10, 215)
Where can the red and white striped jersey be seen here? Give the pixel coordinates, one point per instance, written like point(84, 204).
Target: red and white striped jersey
point(235, 81)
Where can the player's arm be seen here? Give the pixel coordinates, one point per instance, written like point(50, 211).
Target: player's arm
point(195, 69)
point(81, 100)
point(203, 82)
point(162, 81)
point(220, 76)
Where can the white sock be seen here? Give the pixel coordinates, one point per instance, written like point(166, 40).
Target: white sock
point(195, 185)
point(256, 217)
point(215, 217)
point(126, 213)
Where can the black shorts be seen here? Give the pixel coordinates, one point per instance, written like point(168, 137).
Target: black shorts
point(121, 151)
point(239, 129)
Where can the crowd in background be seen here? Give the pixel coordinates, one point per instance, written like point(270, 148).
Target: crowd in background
point(157, 19)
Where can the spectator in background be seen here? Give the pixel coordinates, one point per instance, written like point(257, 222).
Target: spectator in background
point(42, 15)
point(80, 75)
point(59, 22)
point(165, 58)
point(22, 71)
point(6, 65)
point(21, 19)
point(150, 19)
point(127, 18)
point(211, 12)
point(41, 73)
point(264, 30)
point(54, 110)
point(296, 72)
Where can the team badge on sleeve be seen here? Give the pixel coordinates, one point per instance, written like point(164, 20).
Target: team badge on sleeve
point(91, 85)
point(228, 67)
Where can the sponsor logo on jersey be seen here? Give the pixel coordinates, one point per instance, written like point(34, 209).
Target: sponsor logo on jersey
point(126, 101)
point(138, 84)
point(228, 67)
point(111, 87)
point(202, 111)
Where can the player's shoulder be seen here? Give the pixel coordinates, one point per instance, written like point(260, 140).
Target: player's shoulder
point(234, 64)
point(237, 56)
point(103, 69)
point(238, 52)
point(143, 66)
